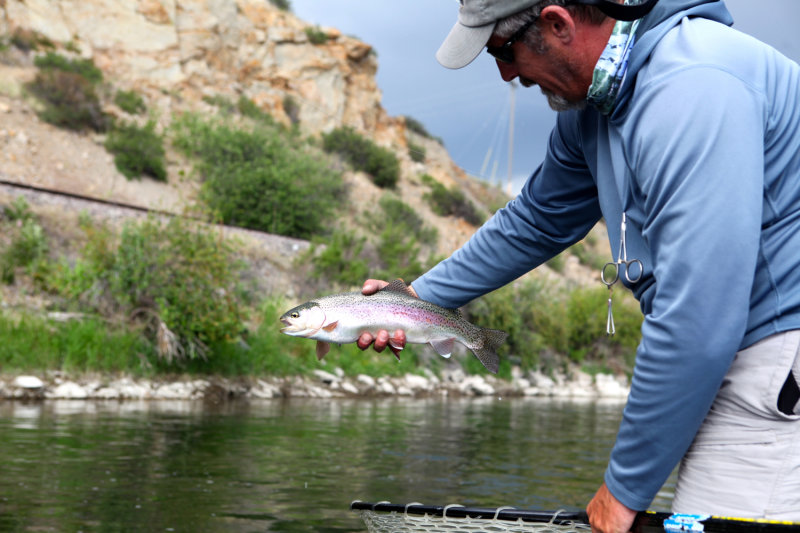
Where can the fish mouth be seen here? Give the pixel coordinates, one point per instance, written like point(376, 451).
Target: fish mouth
point(289, 327)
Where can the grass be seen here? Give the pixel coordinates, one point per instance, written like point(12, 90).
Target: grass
point(29, 343)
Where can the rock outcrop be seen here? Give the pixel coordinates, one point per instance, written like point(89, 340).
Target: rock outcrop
point(177, 52)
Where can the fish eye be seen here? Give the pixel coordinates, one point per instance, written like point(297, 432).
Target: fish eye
point(295, 315)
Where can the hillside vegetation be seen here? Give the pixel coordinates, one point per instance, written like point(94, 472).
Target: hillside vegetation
point(166, 294)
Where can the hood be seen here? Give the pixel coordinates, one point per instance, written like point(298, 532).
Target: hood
point(665, 15)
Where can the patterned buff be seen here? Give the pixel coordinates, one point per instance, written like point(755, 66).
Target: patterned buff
point(612, 65)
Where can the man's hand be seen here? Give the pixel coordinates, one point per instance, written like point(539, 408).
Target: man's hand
point(396, 342)
point(607, 514)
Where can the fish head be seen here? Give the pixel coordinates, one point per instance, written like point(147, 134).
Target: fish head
point(304, 320)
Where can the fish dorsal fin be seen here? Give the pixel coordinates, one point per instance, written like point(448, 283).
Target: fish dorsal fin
point(398, 285)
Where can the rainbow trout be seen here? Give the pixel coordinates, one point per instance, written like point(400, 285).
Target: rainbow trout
point(342, 318)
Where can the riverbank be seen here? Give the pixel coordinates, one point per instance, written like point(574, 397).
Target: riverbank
point(320, 384)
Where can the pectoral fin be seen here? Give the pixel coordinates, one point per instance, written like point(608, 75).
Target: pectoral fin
point(330, 327)
point(322, 349)
point(443, 347)
point(396, 347)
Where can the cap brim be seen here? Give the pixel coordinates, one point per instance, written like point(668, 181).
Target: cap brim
point(463, 44)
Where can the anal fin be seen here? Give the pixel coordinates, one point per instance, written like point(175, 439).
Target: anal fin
point(443, 347)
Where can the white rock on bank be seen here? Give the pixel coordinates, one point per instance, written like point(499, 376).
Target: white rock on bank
point(541, 382)
point(325, 377)
point(28, 382)
point(265, 390)
point(68, 390)
point(476, 385)
point(384, 386)
point(416, 382)
point(367, 381)
point(106, 393)
point(349, 387)
point(175, 391)
point(609, 386)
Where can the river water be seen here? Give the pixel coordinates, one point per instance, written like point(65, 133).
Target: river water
point(291, 465)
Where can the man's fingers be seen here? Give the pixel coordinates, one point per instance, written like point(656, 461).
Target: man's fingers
point(378, 342)
point(364, 341)
point(381, 340)
point(371, 286)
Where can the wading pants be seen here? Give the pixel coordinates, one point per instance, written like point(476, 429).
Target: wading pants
point(745, 460)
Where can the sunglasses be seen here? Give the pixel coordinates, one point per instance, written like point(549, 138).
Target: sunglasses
point(504, 53)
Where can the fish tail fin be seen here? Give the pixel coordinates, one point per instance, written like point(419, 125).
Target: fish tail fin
point(491, 339)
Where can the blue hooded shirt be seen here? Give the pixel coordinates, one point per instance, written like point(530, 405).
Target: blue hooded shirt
point(702, 154)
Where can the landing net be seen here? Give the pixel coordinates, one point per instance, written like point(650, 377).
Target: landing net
point(384, 517)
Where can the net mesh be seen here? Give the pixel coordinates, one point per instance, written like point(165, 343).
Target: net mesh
point(397, 522)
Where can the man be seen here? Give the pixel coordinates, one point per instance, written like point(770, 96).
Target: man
point(684, 134)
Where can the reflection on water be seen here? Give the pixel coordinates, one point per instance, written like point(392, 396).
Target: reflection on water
point(290, 466)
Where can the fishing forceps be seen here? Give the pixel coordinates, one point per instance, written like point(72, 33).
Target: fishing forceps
point(610, 273)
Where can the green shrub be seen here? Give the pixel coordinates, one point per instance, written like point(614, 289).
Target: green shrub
point(316, 35)
point(27, 40)
point(402, 235)
point(84, 68)
point(587, 257)
point(417, 127)
point(558, 262)
point(416, 152)
point(451, 202)
point(67, 89)
point(19, 209)
point(284, 5)
point(572, 322)
point(130, 102)
point(258, 179)
point(398, 255)
point(225, 105)
point(28, 245)
point(248, 108)
point(138, 150)
point(364, 155)
point(341, 260)
point(399, 214)
point(183, 276)
point(70, 100)
point(392, 250)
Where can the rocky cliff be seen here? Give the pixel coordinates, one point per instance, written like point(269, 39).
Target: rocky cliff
point(178, 54)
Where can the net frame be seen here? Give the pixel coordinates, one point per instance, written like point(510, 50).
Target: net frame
point(385, 517)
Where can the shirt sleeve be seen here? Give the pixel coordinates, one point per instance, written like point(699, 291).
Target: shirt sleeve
point(697, 157)
point(556, 208)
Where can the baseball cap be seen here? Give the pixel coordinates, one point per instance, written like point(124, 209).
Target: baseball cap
point(477, 20)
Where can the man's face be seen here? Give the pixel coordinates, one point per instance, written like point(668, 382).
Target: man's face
point(550, 67)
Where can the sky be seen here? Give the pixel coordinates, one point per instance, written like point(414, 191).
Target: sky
point(470, 108)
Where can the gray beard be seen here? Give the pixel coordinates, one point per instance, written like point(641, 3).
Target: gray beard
point(556, 103)
point(559, 103)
